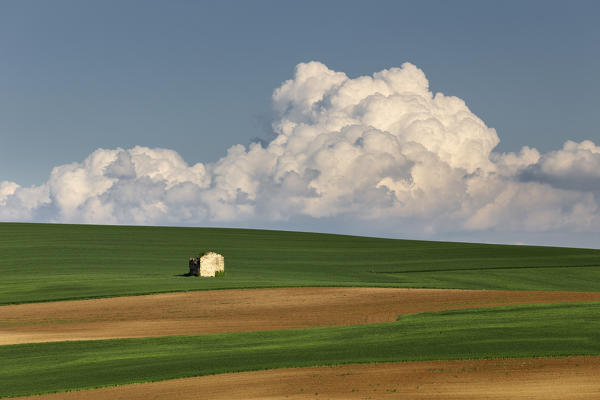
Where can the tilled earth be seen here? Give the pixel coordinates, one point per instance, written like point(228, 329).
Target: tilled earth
point(295, 308)
point(243, 310)
point(520, 378)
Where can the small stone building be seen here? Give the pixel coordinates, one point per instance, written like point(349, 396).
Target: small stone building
point(208, 265)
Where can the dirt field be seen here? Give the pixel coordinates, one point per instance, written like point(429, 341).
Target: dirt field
point(549, 379)
point(242, 310)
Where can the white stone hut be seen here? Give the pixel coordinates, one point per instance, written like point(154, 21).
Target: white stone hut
point(211, 263)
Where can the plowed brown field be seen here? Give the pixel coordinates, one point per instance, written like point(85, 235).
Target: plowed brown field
point(541, 378)
point(243, 310)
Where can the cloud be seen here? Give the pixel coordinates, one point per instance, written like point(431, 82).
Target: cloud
point(576, 167)
point(367, 149)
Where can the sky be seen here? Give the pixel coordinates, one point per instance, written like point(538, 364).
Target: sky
point(133, 112)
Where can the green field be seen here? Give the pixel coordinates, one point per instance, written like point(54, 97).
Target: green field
point(524, 331)
point(45, 262)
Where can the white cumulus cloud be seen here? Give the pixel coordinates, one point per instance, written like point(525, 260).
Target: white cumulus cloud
point(366, 149)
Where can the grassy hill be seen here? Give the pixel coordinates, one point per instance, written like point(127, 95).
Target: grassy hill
point(43, 262)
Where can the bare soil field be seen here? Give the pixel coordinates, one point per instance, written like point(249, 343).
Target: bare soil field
point(531, 378)
point(243, 310)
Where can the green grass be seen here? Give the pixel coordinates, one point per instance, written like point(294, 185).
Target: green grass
point(521, 331)
point(44, 262)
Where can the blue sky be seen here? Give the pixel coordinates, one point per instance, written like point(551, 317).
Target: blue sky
point(198, 77)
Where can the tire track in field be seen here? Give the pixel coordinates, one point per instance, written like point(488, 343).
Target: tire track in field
point(416, 271)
